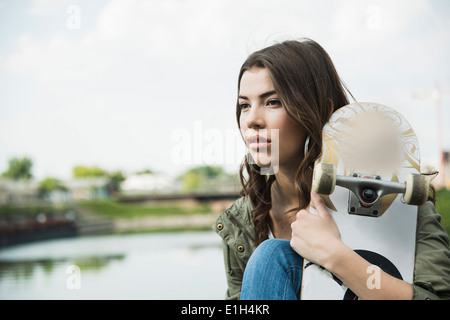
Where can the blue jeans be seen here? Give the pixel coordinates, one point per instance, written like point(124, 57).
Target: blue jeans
point(273, 272)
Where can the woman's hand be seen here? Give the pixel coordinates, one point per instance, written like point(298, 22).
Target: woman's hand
point(316, 237)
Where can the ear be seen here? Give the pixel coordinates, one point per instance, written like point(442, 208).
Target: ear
point(331, 108)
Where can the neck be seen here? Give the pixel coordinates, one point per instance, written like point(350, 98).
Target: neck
point(284, 198)
point(283, 192)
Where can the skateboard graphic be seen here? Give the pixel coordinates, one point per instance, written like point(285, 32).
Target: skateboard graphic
point(368, 176)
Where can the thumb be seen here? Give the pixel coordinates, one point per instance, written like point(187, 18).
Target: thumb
point(319, 205)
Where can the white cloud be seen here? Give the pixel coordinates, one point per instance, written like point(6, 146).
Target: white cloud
point(369, 23)
point(43, 7)
point(167, 29)
point(58, 60)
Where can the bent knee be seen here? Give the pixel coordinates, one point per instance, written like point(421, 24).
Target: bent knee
point(272, 249)
point(276, 245)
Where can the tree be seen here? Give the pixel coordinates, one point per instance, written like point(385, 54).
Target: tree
point(49, 185)
point(146, 171)
point(115, 179)
point(192, 180)
point(85, 172)
point(19, 169)
point(208, 171)
point(196, 177)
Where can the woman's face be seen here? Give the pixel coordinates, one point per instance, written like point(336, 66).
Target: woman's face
point(271, 136)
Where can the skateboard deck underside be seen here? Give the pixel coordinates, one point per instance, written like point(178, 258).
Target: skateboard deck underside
point(370, 139)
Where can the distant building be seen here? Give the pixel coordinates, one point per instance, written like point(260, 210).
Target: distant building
point(87, 188)
point(135, 184)
point(16, 192)
point(13, 192)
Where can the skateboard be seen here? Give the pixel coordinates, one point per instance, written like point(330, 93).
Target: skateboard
point(368, 176)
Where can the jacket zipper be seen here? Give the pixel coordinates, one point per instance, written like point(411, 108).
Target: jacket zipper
point(240, 226)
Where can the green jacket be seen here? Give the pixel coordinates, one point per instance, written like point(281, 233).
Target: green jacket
point(432, 262)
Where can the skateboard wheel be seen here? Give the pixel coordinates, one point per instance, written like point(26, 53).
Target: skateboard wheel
point(324, 178)
point(416, 192)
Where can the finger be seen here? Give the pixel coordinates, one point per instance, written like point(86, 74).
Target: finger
point(319, 205)
point(301, 212)
point(293, 224)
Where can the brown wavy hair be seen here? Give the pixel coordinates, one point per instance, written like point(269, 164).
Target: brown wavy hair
point(309, 88)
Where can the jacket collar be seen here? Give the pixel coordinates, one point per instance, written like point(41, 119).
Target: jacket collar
point(237, 218)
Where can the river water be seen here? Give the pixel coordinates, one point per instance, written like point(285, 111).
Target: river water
point(183, 265)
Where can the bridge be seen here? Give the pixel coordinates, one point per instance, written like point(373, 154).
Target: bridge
point(198, 196)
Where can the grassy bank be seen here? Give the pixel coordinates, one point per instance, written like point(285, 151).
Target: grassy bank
point(116, 210)
point(443, 207)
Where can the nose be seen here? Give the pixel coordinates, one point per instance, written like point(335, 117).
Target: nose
point(255, 118)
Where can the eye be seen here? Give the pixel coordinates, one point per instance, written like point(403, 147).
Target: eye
point(244, 106)
point(274, 103)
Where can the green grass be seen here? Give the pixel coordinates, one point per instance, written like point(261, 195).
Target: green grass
point(443, 207)
point(114, 209)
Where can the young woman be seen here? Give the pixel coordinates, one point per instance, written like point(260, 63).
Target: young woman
point(287, 92)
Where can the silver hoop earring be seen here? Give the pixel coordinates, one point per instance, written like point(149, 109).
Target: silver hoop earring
point(306, 146)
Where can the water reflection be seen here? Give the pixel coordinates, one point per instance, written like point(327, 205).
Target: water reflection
point(143, 266)
point(23, 270)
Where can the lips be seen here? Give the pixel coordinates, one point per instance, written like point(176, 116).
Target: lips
point(257, 138)
point(257, 142)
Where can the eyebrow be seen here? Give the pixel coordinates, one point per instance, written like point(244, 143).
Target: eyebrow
point(261, 96)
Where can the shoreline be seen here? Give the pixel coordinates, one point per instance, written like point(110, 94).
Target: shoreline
point(91, 224)
point(201, 221)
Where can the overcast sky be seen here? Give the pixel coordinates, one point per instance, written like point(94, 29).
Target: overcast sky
point(128, 84)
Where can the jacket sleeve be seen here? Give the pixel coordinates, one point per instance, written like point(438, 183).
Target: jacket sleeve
point(432, 263)
point(233, 272)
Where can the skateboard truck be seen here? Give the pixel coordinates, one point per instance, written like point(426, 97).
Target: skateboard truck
point(367, 190)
